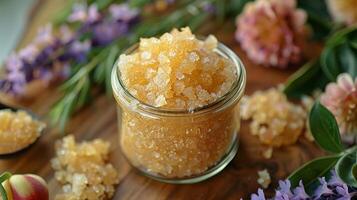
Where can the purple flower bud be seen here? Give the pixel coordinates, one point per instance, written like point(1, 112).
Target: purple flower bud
point(284, 188)
point(335, 180)
point(260, 195)
point(82, 13)
point(44, 35)
point(78, 50)
point(106, 32)
point(299, 192)
point(322, 189)
point(13, 62)
point(343, 191)
point(123, 12)
point(29, 53)
point(281, 196)
point(66, 34)
point(93, 14)
point(208, 7)
point(79, 13)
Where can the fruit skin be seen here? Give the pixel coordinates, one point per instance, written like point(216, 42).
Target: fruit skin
point(26, 187)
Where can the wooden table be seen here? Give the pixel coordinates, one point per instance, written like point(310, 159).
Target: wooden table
point(98, 120)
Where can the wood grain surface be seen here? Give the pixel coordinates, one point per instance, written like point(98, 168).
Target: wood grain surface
point(98, 120)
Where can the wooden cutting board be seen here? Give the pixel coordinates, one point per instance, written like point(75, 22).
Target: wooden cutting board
point(98, 120)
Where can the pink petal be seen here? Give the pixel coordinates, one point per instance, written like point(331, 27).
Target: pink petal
point(335, 92)
point(345, 82)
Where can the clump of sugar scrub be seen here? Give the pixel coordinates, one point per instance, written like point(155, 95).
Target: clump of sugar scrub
point(177, 71)
point(18, 130)
point(83, 170)
point(274, 119)
point(264, 178)
point(190, 130)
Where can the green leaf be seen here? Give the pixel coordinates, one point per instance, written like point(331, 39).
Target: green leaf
point(354, 171)
point(324, 128)
point(3, 177)
point(113, 54)
point(318, 17)
point(346, 168)
point(340, 36)
point(348, 59)
point(304, 81)
point(329, 63)
point(310, 171)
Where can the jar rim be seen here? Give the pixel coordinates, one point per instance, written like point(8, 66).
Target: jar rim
point(233, 95)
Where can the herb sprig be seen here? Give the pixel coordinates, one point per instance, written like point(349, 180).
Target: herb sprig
point(327, 135)
point(338, 56)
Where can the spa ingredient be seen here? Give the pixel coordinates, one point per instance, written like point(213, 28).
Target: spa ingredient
point(327, 188)
point(264, 178)
point(25, 187)
point(341, 99)
point(275, 120)
point(177, 71)
point(272, 32)
point(83, 170)
point(180, 73)
point(18, 130)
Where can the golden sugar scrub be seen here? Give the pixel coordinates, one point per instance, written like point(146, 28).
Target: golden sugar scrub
point(83, 170)
point(275, 120)
point(177, 71)
point(178, 98)
point(18, 130)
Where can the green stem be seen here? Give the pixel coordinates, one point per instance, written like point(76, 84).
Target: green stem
point(3, 177)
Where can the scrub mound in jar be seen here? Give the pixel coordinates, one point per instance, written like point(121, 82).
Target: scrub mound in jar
point(178, 72)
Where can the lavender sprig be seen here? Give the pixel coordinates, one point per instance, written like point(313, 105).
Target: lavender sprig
point(49, 56)
point(333, 189)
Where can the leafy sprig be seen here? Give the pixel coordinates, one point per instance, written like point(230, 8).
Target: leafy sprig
point(327, 135)
point(338, 56)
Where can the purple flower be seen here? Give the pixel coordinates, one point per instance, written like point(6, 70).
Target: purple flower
point(13, 62)
point(260, 195)
point(106, 32)
point(81, 13)
point(15, 77)
point(299, 192)
point(123, 12)
point(331, 190)
point(284, 188)
point(280, 196)
point(29, 53)
point(44, 35)
point(343, 191)
point(335, 180)
point(78, 50)
point(322, 189)
point(66, 34)
point(93, 14)
point(208, 7)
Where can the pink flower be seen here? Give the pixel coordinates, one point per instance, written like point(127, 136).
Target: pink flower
point(341, 99)
point(270, 32)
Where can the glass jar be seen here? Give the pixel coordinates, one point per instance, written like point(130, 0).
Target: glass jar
point(179, 146)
